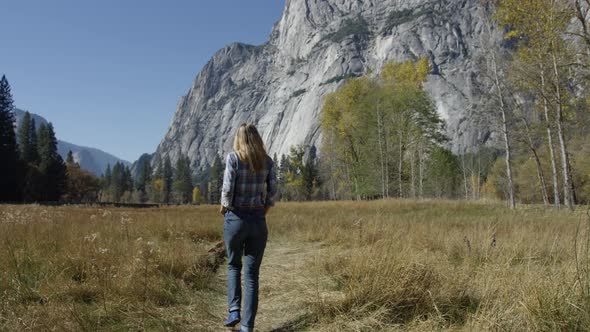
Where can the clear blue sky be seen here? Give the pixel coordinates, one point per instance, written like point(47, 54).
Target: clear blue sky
point(109, 73)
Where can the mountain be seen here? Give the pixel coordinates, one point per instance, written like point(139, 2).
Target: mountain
point(312, 49)
point(91, 159)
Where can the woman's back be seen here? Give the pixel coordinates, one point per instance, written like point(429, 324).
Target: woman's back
point(243, 187)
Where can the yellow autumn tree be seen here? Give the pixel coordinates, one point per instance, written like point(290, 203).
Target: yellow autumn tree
point(196, 195)
point(369, 125)
point(544, 62)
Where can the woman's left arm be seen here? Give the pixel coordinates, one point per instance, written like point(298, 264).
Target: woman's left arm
point(271, 187)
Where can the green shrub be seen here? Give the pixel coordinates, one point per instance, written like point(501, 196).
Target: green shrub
point(339, 78)
point(298, 93)
point(358, 28)
point(400, 17)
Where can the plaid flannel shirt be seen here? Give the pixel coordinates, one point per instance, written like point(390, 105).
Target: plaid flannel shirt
point(244, 188)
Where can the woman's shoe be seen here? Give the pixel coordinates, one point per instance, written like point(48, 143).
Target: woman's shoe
point(233, 319)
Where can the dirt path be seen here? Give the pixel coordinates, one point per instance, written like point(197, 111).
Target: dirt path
point(285, 285)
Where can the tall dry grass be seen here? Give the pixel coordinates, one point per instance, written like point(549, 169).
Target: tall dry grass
point(88, 269)
point(407, 265)
point(381, 265)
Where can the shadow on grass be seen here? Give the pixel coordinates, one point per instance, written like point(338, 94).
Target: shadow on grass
point(296, 324)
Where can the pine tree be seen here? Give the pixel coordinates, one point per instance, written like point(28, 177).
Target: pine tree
point(117, 182)
point(167, 176)
point(34, 157)
point(9, 159)
point(27, 142)
point(159, 173)
point(215, 180)
point(144, 179)
point(129, 179)
point(52, 167)
point(105, 184)
point(107, 175)
point(70, 160)
point(311, 173)
point(26, 145)
point(283, 176)
point(127, 184)
point(183, 184)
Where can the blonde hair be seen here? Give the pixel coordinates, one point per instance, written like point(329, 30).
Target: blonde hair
point(249, 147)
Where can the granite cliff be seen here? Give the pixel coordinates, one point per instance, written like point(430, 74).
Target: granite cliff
point(312, 49)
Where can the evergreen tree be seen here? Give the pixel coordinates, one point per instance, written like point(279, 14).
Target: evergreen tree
point(34, 157)
point(311, 173)
point(106, 184)
point(283, 176)
point(70, 158)
point(128, 179)
point(27, 139)
point(51, 165)
point(144, 179)
point(117, 182)
point(215, 180)
point(107, 176)
point(9, 159)
point(159, 170)
point(183, 184)
point(33, 183)
point(167, 177)
point(127, 184)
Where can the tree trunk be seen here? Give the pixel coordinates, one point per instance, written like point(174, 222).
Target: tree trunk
point(556, 199)
point(420, 171)
point(464, 175)
point(582, 16)
point(381, 155)
point(413, 173)
point(568, 195)
point(478, 190)
point(332, 168)
point(512, 201)
point(540, 173)
point(385, 138)
point(400, 164)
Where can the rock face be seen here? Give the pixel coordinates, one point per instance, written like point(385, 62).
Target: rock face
point(280, 85)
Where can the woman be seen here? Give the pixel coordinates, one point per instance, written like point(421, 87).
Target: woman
point(244, 204)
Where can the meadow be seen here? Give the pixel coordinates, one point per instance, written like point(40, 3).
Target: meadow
point(393, 265)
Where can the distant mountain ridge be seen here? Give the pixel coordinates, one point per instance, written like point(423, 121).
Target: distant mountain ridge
point(91, 159)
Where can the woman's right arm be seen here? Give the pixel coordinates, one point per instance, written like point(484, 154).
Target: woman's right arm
point(229, 177)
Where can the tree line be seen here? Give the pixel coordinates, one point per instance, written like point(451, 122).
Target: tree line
point(32, 170)
point(537, 88)
point(383, 138)
point(298, 175)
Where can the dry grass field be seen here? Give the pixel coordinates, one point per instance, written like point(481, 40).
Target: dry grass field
point(334, 266)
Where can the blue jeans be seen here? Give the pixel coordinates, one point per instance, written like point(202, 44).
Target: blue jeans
point(245, 233)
